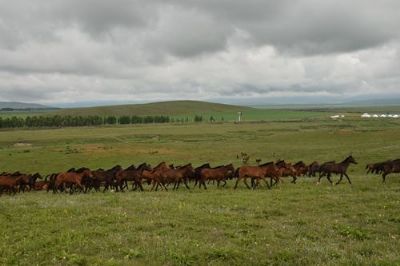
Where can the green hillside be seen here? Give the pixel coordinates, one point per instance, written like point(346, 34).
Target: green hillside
point(158, 108)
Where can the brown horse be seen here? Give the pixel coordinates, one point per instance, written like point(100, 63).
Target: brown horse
point(10, 183)
point(72, 179)
point(178, 175)
point(391, 167)
point(286, 169)
point(301, 168)
point(197, 172)
point(257, 173)
point(154, 176)
point(329, 168)
point(219, 174)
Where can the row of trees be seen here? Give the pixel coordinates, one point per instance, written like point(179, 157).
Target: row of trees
point(77, 121)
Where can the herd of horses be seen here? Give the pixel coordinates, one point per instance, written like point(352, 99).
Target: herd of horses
point(162, 176)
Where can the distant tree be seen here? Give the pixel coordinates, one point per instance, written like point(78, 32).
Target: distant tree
point(198, 118)
point(111, 120)
point(124, 120)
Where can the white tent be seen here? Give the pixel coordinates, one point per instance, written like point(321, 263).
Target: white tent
point(365, 115)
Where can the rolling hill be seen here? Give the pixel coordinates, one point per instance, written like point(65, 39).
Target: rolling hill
point(157, 108)
point(22, 106)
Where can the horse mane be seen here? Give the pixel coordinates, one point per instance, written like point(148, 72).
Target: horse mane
point(115, 168)
point(299, 163)
point(71, 170)
point(186, 165)
point(16, 174)
point(162, 163)
point(204, 166)
point(132, 167)
point(81, 170)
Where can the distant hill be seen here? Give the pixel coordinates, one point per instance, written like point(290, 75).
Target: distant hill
point(22, 106)
point(157, 108)
point(374, 102)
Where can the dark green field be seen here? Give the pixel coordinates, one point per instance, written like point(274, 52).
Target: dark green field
point(298, 224)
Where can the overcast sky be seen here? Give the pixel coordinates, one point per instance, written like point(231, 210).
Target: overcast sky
point(63, 51)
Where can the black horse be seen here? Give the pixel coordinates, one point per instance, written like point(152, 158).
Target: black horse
point(331, 167)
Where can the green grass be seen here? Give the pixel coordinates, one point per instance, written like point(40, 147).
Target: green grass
point(300, 224)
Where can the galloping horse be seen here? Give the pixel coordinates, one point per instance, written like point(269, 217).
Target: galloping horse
point(376, 168)
point(286, 169)
point(391, 167)
point(9, 182)
point(154, 176)
point(219, 174)
point(331, 167)
point(71, 179)
point(301, 168)
point(178, 175)
point(313, 169)
point(257, 173)
point(131, 174)
point(197, 172)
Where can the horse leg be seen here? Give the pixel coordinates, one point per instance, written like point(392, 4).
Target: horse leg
point(185, 181)
point(224, 183)
point(237, 181)
point(340, 179)
point(329, 178)
point(245, 182)
point(294, 179)
point(204, 184)
point(348, 179)
point(140, 186)
point(384, 177)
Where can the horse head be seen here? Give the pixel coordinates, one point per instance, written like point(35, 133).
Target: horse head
point(350, 159)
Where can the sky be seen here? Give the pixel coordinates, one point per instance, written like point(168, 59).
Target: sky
point(63, 52)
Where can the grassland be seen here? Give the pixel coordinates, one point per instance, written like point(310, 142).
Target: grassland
point(298, 224)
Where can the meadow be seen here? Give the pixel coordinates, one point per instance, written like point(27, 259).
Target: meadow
point(300, 224)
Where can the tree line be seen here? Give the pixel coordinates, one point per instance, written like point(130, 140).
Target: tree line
point(94, 120)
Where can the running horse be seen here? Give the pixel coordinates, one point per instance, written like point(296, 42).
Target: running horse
point(331, 167)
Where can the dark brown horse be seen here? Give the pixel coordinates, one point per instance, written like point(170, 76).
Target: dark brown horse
point(376, 168)
point(391, 167)
point(313, 169)
point(106, 178)
point(330, 168)
point(131, 174)
point(219, 174)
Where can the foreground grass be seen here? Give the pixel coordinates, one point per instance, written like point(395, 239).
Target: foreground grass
point(299, 224)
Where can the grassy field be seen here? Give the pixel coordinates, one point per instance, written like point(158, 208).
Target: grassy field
point(298, 224)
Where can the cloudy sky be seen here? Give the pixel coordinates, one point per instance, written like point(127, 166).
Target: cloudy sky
point(65, 51)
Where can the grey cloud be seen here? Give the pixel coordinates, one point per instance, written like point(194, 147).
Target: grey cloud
point(196, 48)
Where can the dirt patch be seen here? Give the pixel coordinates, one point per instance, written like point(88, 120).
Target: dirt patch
point(22, 144)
